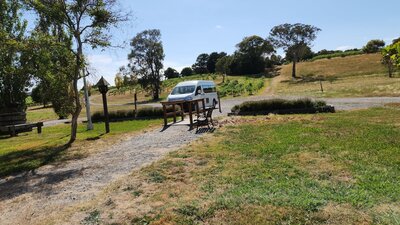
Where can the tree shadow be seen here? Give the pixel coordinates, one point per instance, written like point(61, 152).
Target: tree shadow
point(31, 182)
point(28, 160)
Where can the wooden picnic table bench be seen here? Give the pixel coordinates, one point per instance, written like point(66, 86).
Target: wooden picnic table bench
point(13, 130)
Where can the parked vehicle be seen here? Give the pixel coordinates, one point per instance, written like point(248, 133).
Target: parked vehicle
point(196, 89)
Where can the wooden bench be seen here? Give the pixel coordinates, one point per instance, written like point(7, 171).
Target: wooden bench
point(13, 130)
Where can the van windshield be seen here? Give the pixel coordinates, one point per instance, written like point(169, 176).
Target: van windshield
point(183, 90)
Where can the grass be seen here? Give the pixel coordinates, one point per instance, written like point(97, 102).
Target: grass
point(338, 168)
point(30, 150)
point(352, 76)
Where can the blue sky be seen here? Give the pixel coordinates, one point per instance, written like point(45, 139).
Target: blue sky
point(191, 27)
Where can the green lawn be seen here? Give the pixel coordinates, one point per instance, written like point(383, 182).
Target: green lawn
point(31, 150)
point(341, 168)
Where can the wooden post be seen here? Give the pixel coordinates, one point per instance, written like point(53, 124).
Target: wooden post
point(135, 102)
point(182, 111)
point(39, 127)
point(219, 104)
point(197, 107)
point(105, 107)
point(204, 106)
point(174, 112)
point(165, 114)
point(190, 115)
point(320, 83)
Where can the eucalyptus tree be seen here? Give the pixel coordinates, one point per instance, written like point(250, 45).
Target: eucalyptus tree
point(294, 38)
point(88, 22)
point(146, 60)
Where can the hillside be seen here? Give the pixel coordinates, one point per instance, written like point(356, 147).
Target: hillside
point(352, 76)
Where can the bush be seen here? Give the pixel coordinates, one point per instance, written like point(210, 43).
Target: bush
point(279, 106)
point(142, 113)
point(337, 54)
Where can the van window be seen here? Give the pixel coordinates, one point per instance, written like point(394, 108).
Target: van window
point(183, 90)
point(209, 88)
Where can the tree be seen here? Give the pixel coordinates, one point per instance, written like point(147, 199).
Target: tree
point(294, 36)
point(212, 60)
point(200, 67)
point(249, 58)
point(88, 22)
point(119, 81)
point(304, 52)
point(223, 66)
point(187, 71)
point(171, 73)
point(14, 55)
point(390, 57)
point(373, 46)
point(146, 59)
point(40, 95)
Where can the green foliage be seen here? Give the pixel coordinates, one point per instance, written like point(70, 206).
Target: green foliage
point(337, 54)
point(119, 81)
point(293, 38)
point(302, 52)
point(147, 112)
point(39, 94)
point(277, 104)
point(249, 56)
point(187, 71)
point(213, 59)
point(14, 56)
point(236, 88)
point(373, 46)
point(86, 23)
point(146, 59)
point(171, 73)
point(390, 56)
point(200, 66)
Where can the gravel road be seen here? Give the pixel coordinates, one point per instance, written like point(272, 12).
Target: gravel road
point(30, 198)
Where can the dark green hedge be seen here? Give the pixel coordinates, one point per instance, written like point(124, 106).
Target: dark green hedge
point(149, 112)
point(281, 106)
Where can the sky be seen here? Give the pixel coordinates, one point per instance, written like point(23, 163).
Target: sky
point(192, 27)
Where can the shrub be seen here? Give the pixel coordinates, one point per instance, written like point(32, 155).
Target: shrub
point(337, 54)
point(278, 105)
point(148, 112)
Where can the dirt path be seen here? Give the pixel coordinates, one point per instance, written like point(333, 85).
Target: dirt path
point(30, 198)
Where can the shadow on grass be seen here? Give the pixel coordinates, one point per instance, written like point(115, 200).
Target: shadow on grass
point(28, 160)
point(22, 164)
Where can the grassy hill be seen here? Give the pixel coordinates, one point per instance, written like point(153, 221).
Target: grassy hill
point(352, 76)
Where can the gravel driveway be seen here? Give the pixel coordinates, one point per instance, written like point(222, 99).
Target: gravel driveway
point(30, 198)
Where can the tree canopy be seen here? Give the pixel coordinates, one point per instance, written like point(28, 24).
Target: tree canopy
point(14, 56)
point(187, 71)
point(200, 66)
point(146, 59)
point(373, 46)
point(293, 37)
point(88, 22)
point(171, 73)
point(249, 58)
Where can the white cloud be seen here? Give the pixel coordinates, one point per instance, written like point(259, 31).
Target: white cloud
point(218, 27)
point(345, 47)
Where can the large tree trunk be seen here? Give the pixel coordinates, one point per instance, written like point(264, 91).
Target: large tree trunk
point(78, 107)
point(390, 67)
point(294, 66)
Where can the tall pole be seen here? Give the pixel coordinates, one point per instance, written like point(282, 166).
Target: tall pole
point(105, 107)
point(87, 103)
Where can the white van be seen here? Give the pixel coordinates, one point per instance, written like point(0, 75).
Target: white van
point(196, 89)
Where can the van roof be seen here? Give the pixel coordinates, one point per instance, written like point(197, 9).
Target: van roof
point(195, 82)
